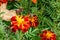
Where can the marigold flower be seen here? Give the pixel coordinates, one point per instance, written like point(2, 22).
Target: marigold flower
point(34, 1)
point(34, 21)
point(48, 35)
point(22, 22)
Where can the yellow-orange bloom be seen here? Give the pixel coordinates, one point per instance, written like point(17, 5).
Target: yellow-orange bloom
point(34, 1)
point(48, 35)
point(34, 21)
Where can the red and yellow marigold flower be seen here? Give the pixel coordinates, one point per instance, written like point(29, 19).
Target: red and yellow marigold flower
point(21, 22)
point(48, 35)
point(34, 1)
point(34, 21)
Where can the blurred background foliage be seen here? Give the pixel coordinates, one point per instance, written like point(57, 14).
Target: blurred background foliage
point(48, 12)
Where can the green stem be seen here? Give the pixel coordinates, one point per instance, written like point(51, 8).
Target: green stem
point(21, 35)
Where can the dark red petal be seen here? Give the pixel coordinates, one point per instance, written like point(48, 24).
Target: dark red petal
point(13, 18)
point(26, 26)
point(26, 19)
point(15, 28)
point(13, 23)
point(24, 30)
point(45, 31)
point(20, 27)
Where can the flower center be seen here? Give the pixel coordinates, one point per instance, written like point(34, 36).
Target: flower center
point(32, 20)
point(19, 20)
point(49, 34)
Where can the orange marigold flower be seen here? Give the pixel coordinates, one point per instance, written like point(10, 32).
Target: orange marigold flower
point(34, 21)
point(48, 35)
point(21, 22)
point(34, 1)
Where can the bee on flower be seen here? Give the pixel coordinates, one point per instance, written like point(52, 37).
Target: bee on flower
point(48, 35)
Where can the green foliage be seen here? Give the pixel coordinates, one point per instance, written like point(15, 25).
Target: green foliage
point(2, 30)
point(48, 12)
